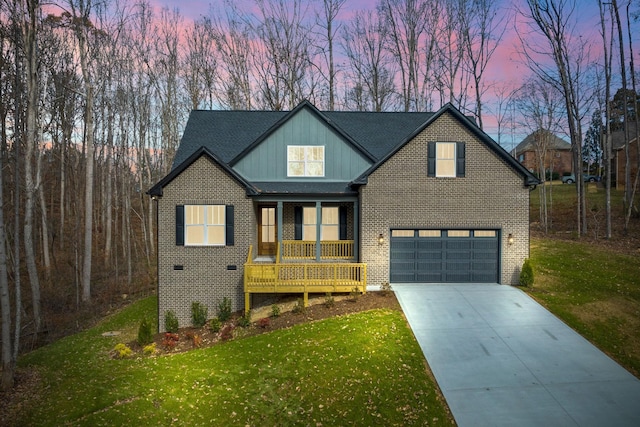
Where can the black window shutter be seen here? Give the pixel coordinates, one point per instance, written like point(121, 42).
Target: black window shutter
point(343, 222)
point(460, 161)
point(179, 225)
point(230, 225)
point(431, 159)
point(297, 214)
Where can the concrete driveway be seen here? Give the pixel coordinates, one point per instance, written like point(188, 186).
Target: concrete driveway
point(501, 359)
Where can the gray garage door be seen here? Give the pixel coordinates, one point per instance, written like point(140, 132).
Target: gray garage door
point(444, 256)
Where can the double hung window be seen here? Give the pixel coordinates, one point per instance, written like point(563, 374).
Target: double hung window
point(204, 225)
point(305, 161)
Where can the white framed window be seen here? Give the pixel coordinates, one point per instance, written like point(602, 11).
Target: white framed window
point(309, 222)
point(446, 159)
point(330, 229)
point(305, 160)
point(204, 225)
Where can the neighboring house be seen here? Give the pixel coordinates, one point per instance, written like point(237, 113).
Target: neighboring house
point(306, 201)
point(558, 153)
point(619, 145)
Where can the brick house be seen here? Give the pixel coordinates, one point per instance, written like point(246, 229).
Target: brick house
point(262, 202)
point(619, 146)
point(557, 157)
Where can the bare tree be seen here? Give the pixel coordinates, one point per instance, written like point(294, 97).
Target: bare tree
point(504, 99)
point(30, 33)
point(482, 31)
point(555, 21)
point(8, 359)
point(540, 106)
point(607, 45)
point(283, 58)
point(234, 47)
point(326, 21)
point(81, 10)
point(452, 77)
point(200, 64)
point(363, 41)
point(412, 24)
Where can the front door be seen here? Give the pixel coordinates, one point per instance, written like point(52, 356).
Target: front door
point(267, 230)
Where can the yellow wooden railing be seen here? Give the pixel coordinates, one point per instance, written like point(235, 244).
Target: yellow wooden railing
point(306, 249)
point(302, 278)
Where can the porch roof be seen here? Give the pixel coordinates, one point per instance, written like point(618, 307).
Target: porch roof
point(313, 188)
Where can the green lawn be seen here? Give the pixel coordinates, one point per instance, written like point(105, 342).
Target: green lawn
point(361, 369)
point(595, 291)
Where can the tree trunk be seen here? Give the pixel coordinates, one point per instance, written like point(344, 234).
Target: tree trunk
point(84, 9)
point(46, 254)
point(32, 134)
point(8, 361)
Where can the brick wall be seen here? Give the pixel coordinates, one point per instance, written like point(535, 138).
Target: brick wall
point(205, 277)
point(399, 194)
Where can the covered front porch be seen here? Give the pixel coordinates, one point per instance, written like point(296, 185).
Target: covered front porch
point(305, 229)
point(305, 246)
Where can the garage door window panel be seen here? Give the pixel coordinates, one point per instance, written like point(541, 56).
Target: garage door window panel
point(403, 233)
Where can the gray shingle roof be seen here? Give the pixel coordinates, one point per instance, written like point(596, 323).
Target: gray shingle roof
point(226, 136)
point(555, 142)
point(229, 133)
point(618, 137)
point(302, 188)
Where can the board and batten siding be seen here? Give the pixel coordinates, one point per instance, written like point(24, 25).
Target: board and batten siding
point(268, 161)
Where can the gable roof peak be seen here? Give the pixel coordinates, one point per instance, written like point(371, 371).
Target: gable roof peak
point(554, 142)
point(303, 105)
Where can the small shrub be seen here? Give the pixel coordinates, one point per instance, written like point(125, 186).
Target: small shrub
point(526, 274)
point(264, 323)
point(199, 313)
point(385, 289)
point(224, 309)
point(171, 322)
point(214, 325)
point(355, 294)
point(245, 320)
point(170, 340)
point(299, 308)
point(145, 333)
point(226, 333)
point(329, 301)
point(122, 351)
point(197, 341)
point(149, 350)
point(275, 310)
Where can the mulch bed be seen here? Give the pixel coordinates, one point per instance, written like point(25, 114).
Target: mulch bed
point(263, 321)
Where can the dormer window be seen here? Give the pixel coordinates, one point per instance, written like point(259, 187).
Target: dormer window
point(305, 160)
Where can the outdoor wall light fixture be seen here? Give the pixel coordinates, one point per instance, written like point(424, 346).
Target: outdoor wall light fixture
point(380, 239)
point(510, 239)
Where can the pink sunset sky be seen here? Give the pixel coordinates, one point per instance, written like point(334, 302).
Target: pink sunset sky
point(506, 67)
